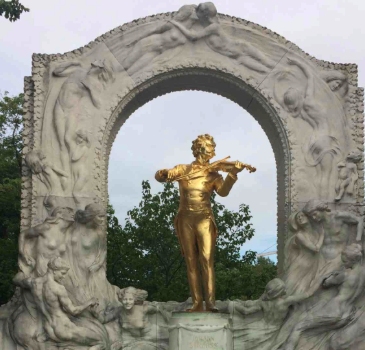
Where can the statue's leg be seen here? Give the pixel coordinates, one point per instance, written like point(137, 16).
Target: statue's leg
point(206, 244)
point(188, 241)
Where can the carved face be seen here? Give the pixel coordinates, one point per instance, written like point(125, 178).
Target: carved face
point(317, 215)
point(68, 214)
point(59, 275)
point(206, 152)
point(293, 100)
point(301, 219)
point(99, 219)
point(128, 301)
point(334, 84)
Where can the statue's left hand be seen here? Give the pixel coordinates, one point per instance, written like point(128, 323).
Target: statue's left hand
point(238, 167)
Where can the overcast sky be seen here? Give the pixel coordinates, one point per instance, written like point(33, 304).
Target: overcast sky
point(159, 134)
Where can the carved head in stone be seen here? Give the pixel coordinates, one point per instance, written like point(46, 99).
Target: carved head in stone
point(274, 289)
point(316, 209)
point(93, 214)
point(206, 11)
point(59, 268)
point(203, 148)
point(103, 69)
point(298, 220)
point(185, 12)
point(293, 101)
point(34, 161)
point(82, 137)
point(351, 255)
point(61, 213)
point(130, 296)
point(354, 156)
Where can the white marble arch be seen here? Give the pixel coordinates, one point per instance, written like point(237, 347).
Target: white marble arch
point(311, 110)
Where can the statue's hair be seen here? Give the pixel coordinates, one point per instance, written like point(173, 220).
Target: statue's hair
point(315, 204)
point(200, 142)
point(293, 223)
point(274, 288)
point(91, 210)
point(209, 9)
point(57, 264)
point(184, 12)
point(353, 252)
point(139, 295)
point(292, 96)
point(355, 156)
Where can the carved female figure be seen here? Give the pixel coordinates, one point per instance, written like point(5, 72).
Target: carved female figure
point(79, 163)
point(335, 226)
point(87, 254)
point(217, 40)
point(323, 146)
point(302, 254)
point(80, 83)
point(338, 311)
point(159, 40)
point(53, 178)
point(275, 307)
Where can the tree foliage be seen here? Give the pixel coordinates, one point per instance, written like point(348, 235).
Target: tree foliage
point(145, 252)
point(11, 113)
point(12, 9)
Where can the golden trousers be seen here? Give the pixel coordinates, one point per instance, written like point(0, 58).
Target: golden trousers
point(197, 235)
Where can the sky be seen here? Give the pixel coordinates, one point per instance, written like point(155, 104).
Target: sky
point(159, 134)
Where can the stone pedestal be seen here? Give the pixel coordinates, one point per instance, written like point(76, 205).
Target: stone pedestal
point(200, 331)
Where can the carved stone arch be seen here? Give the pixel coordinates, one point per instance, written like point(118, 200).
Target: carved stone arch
point(257, 76)
point(225, 85)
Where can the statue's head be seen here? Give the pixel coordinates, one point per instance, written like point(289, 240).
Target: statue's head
point(82, 137)
point(94, 213)
point(351, 255)
point(185, 12)
point(130, 295)
point(297, 220)
point(103, 69)
point(316, 209)
point(203, 147)
point(61, 213)
point(206, 10)
point(293, 101)
point(34, 161)
point(354, 156)
point(59, 268)
point(275, 289)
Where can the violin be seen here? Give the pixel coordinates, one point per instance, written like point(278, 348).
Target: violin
point(219, 165)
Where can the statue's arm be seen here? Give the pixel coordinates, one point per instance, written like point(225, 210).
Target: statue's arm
point(194, 35)
point(350, 218)
point(328, 76)
point(165, 175)
point(33, 232)
point(159, 30)
point(294, 299)
point(60, 70)
point(307, 243)
point(67, 304)
point(248, 307)
point(93, 95)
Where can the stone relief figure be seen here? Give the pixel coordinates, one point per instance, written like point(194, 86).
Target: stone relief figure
point(348, 176)
point(45, 241)
point(275, 305)
point(339, 310)
point(80, 83)
point(56, 310)
point(87, 256)
point(133, 317)
point(302, 254)
point(323, 147)
point(219, 41)
point(335, 226)
point(79, 163)
point(337, 82)
point(53, 178)
point(156, 42)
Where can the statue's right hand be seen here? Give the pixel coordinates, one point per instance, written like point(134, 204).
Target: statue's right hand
point(29, 261)
point(94, 302)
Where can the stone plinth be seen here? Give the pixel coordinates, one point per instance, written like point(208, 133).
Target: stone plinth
point(200, 331)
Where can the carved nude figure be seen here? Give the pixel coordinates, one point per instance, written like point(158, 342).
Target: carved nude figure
point(163, 38)
point(132, 318)
point(80, 83)
point(335, 226)
point(275, 306)
point(53, 178)
point(79, 163)
point(88, 256)
point(347, 175)
point(339, 310)
point(219, 41)
point(56, 308)
point(323, 146)
point(302, 254)
point(45, 241)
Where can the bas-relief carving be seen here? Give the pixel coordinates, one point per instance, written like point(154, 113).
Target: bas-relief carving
point(72, 103)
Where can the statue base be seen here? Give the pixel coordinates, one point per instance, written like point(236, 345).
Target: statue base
point(200, 331)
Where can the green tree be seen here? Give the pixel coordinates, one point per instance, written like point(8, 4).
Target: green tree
point(145, 252)
point(11, 112)
point(12, 9)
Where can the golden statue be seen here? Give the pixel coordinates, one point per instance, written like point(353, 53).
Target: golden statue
point(194, 223)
